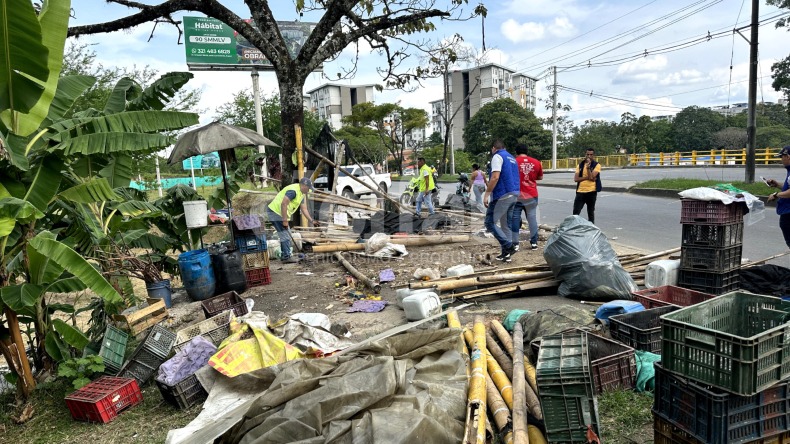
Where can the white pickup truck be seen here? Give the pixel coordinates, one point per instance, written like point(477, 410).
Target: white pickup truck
point(349, 188)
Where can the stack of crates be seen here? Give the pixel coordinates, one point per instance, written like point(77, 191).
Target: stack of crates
point(149, 355)
point(255, 256)
point(724, 372)
point(711, 247)
point(565, 388)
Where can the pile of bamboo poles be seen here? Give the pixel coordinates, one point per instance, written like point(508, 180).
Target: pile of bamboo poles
point(506, 281)
point(491, 371)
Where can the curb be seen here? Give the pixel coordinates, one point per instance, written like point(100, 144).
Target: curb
point(652, 192)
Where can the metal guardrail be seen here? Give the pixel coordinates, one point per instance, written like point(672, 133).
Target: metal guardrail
point(763, 156)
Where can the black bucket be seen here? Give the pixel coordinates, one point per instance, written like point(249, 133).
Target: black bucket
point(229, 273)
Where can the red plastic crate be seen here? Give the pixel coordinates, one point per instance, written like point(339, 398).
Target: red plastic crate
point(694, 211)
point(104, 399)
point(669, 295)
point(613, 365)
point(258, 276)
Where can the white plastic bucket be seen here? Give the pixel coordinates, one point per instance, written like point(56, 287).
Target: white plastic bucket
point(196, 214)
point(421, 305)
point(460, 270)
point(660, 273)
point(403, 293)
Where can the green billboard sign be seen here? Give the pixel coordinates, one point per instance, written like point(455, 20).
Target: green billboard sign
point(211, 45)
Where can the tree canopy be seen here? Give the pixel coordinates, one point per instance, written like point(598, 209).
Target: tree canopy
point(506, 120)
point(694, 128)
point(391, 28)
point(781, 69)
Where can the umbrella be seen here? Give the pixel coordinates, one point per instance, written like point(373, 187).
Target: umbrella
point(216, 136)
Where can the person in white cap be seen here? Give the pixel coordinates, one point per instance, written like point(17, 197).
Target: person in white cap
point(782, 197)
point(282, 208)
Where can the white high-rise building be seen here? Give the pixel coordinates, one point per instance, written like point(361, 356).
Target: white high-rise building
point(332, 101)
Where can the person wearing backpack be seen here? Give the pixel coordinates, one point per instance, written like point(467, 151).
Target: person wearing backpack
point(588, 184)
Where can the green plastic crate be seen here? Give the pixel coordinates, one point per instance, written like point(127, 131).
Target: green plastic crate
point(738, 342)
point(113, 349)
point(565, 388)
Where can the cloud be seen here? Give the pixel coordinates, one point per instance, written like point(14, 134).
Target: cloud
point(645, 69)
point(544, 8)
point(522, 32)
point(683, 77)
point(562, 27)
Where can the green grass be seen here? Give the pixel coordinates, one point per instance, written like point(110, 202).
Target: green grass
point(757, 188)
point(147, 422)
point(625, 417)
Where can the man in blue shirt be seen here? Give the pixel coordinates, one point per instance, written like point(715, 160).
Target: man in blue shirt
point(783, 196)
point(502, 190)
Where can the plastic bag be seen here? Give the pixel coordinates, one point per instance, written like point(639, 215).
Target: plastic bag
point(376, 242)
point(581, 257)
point(426, 274)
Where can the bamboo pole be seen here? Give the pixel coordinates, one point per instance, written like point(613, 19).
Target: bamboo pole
point(507, 342)
point(501, 357)
point(519, 389)
point(454, 322)
point(476, 406)
point(375, 190)
point(535, 435)
point(360, 277)
point(497, 375)
point(408, 241)
point(499, 410)
point(515, 276)
point(446, 285)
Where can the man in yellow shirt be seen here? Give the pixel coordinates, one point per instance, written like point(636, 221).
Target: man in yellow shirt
point(587, 185)
point(280, 210)
point(427, 186)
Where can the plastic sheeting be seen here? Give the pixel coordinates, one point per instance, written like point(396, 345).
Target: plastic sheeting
point(407, 388)
point(727, 194)
point(581, 257)
point(552, 321)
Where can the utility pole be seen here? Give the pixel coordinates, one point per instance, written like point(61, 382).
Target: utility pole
point(554, 122)
point(256, 100)
point(751, 126)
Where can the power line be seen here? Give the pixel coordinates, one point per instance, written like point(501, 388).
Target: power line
point(587, 93)
point(591, 93)
point(618, 36)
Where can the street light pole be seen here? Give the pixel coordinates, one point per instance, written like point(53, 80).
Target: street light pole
point(751, 126)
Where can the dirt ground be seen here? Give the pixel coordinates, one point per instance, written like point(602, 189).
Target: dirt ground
point(322, 291)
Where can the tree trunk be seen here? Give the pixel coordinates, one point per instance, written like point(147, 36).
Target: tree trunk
point(291, 113)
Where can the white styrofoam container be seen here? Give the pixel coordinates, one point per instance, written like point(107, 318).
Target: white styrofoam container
point(196, 213)
point(421, 305)
point(663, 272)
point(403, 293)
point(460, 270)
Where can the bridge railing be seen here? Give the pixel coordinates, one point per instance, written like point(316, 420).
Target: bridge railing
point(763, 156)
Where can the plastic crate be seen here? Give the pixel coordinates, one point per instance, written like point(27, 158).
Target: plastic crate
point(140, 371)
point(215, 329)
point(160, 341)
point(185, 393)
point(248, 242)
point(226, 301)
point(739, 342)
point(103, 399)
point(717, 416)
point(612, 365)
point(694, 211)
point(712, 282)
point(565, 388)
point(664, 432)
point(720, 260)
point(258, 259)
point(258, 276)
point(720, 236)
point(113, 349)
point(669, 295)
point(640, 330)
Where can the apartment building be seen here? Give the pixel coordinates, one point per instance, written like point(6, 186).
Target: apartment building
point(473, 88)
point(437, 122)
point(333, 101)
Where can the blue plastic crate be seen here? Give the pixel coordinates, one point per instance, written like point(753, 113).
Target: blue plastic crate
point(250, 242)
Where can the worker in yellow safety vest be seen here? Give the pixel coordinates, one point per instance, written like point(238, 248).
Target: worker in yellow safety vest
point(427, 186)
point(280, 210)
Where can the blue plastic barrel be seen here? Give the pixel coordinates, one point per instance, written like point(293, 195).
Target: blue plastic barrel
point(197, 274)
point(160, 290)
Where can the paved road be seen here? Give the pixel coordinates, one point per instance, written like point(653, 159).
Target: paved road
point(650, 223)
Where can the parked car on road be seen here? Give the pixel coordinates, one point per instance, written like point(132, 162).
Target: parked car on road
point(350, 188)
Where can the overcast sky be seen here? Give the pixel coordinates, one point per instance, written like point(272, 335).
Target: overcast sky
point(644, 57)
